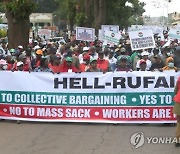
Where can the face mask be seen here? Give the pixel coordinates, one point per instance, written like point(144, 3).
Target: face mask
point(4, 67)
point(171, 65)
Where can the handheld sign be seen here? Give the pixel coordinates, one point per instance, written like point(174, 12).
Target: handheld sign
point(112, 28)
point(44, 33)
point(85, 34)
point(174, 33)
point(142, 39)
point(112, 37)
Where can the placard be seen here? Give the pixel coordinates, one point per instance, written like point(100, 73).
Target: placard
point(85, 34)
point(142, 39)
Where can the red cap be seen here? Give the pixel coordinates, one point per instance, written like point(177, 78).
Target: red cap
point(142, 61)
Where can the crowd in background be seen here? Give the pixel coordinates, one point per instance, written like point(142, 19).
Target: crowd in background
point(80, 56)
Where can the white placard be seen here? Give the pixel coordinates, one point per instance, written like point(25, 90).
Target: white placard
point(113, 28)
point(44, 33)
point(85, 34)
point(174, 33)
point(112, 37)
point(142, 39)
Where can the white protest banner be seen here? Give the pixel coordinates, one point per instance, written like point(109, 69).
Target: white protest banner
point(85, 34)
point(174, 33)
point(119, 97)
point(113, 28)
point(112, 37)
point(142, 39)
point(44, 33)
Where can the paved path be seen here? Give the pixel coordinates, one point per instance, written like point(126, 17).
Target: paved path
point(80, 138)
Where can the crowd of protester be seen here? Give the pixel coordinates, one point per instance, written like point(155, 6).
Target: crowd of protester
point(81, 56)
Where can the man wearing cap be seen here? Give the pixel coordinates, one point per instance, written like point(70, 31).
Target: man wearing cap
point(20, 66)
point(123, 53)
point(70, 53)
point(20, 49)
point(86, 63)
point(85, 51)
point(122, 64)
point(144, 55)
point(158, 64)
point(27, 65)
point(93, 66)
point(36, 62)
point(143, 65)
point(68, 66)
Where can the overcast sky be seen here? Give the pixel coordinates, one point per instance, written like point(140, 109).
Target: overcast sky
point(156, 8)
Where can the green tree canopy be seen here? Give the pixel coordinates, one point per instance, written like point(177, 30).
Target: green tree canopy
point(93, 13)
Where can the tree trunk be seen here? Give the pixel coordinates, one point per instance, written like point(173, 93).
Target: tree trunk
point(18, 31)
point(99, 13)
point(87, 4)
point(96, 13)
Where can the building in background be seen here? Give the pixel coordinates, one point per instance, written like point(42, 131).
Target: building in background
point(174, 18)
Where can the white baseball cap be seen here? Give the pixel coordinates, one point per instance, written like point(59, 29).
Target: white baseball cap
point(3, 62)
point(20, 63)
point(20, 47)
point(145, 53)
point(85, 48)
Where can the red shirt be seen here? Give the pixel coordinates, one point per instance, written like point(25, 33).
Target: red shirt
point(65, 68)
point(55, 69)
point(10, 66)
point(103, 64)
point(25, 67)
point(38, 63)
point(83, 67)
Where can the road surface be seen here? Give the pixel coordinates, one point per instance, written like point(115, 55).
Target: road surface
point(80, 138)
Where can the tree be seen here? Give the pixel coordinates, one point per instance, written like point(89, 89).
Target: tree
point(46, 6)
point(99, 13)
point(17, 13)
point(94, 13)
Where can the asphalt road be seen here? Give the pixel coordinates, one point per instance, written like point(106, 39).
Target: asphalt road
point(80, 138)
